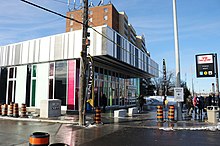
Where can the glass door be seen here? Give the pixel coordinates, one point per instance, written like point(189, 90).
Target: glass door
point(11, 86)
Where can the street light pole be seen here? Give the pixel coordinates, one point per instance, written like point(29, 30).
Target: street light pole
point(83, 65)
point(179, 106)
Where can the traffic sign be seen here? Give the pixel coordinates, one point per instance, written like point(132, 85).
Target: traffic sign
point(205, 65)
point(178, 95)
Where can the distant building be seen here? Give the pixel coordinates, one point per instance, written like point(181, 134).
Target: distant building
point(140, 42)
point(107, 15)
point(132, 35)
point(98, 16)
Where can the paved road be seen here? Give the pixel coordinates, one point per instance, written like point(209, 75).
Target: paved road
point(129, 136)
point(141, 129)
point(13, 133)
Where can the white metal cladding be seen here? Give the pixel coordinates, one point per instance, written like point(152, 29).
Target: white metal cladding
point(68, 46)
point(21, 84)
point(42, 83)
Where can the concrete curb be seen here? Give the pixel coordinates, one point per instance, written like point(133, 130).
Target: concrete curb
point(39, 120)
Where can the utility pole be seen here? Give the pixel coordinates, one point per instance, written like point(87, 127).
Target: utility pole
point(217, 81)
point(83, 65)
point(179, 104)
point(164, 81)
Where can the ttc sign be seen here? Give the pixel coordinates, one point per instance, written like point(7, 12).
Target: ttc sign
point(205, 65)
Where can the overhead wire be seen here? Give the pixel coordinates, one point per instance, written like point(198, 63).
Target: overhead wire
point(59, 1)
point(66, 17)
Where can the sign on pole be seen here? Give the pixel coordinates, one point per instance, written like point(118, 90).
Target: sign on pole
point(205, 65)
point(178, 95)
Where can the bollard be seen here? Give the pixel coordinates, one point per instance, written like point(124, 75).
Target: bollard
point(4, 110)
point(171, 113)
point(16, 110)
point(160, 113)
point(10, 109)
point(23, 110)
point(39, 139)
point(58, 144)
point(97, 117)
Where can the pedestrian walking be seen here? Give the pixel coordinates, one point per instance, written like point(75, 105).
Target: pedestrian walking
point(189, 104)
point(141, 102)
point(200, 105)
point(104, 102)
point(195, 104)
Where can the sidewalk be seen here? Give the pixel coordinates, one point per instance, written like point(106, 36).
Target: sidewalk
point(146, 119)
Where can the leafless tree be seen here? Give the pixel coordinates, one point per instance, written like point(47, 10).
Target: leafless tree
point(159, 82)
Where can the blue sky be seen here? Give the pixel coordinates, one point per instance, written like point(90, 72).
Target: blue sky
point(198, 23)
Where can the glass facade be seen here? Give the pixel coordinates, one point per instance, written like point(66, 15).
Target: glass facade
point(63, 84)
point(120, 89)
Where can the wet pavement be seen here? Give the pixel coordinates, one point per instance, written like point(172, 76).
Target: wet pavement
point(132, 136)
point(114, 131)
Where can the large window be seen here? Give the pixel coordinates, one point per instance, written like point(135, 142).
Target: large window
point(119, 88)
point(61, 81)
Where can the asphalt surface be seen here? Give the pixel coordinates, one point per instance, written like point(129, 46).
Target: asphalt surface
point(140, 129)
point(131, 136)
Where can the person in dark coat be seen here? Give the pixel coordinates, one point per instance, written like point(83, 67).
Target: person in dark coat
point(200, 105)
point(189, 104)
point(141, 102)
point(104, 102)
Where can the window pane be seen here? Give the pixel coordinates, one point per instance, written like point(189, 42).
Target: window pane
point(10, 88)
point(28, 86)
point(51, 69)
point(33, 92)
point(14, 91)
point(105, 9)
point(51, 89)
point(15, 72)
point(34, 70)
point(105, 17)
point(11, 72)
point(61, 81)
point(3, 84)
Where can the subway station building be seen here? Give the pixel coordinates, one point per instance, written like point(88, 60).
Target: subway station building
point(49, 67)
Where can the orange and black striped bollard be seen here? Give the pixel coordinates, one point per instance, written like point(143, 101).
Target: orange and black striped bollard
point(97, 118)
point(10, 109)
point(171, 113)
point(4, 110)
point(23, 110)
point(16, 110)
point(160, 113)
